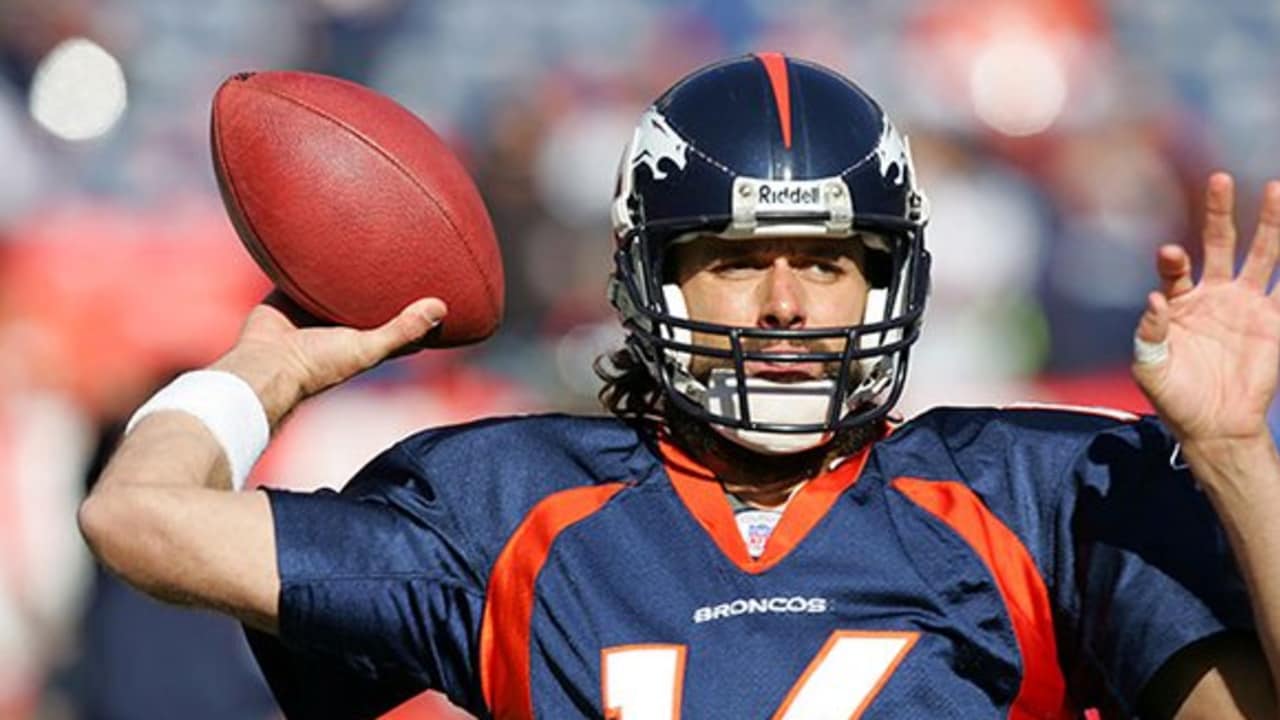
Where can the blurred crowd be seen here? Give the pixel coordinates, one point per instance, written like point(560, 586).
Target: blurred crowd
point(1060, 142)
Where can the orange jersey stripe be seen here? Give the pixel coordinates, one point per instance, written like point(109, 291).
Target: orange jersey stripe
point(701, 492)
point(1042, 693)
point(775, 65)
point(508, 611)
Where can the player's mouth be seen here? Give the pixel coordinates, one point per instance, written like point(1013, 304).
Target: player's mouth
point(782, 376)
point(784, 372)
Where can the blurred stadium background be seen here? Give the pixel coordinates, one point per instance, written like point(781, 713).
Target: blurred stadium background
point(1060, 140)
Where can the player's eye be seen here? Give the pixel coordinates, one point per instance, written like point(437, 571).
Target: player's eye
point(819, 267)
point(740, 265)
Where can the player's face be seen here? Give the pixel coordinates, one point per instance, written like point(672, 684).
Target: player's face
point(776, 284)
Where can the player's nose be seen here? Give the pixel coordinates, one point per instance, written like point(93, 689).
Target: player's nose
point(782, 304)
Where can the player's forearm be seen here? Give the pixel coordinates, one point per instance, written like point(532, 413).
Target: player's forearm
point(1243, 482)
point(162, 519)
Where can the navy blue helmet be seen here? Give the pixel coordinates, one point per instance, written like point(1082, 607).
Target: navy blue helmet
point(767, 146)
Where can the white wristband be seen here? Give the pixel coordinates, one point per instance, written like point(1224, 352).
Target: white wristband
point(227, 406)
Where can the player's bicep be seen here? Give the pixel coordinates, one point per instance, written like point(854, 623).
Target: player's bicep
point(191, 545)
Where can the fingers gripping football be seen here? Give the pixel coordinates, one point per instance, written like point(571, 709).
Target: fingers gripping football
point(404, 330)
point(332, 355)
point(287, 360)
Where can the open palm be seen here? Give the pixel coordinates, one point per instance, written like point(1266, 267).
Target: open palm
point(1223, 334)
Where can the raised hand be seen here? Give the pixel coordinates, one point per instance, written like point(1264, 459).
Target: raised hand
point(1213, 347)
point(285, 360)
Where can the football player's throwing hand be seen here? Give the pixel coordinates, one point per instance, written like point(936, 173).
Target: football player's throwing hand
point(286, 361)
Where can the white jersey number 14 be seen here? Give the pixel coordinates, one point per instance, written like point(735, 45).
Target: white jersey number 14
point(645, 682)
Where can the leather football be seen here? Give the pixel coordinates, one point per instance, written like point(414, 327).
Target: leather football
point(352, 205)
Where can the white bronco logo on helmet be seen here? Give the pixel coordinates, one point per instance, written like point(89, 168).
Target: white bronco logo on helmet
point(655, 141)
point(892, 151)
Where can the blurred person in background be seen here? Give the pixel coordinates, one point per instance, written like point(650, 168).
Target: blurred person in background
point(44, 579)
point(83, 343)
point(986, 338)
point(749, 500)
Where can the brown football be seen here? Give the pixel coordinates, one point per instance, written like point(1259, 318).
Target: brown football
point(352, 205)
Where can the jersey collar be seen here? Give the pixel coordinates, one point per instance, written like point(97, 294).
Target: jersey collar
point(704, 496)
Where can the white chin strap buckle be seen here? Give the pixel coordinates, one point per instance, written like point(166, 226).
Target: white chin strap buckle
point(799, 403)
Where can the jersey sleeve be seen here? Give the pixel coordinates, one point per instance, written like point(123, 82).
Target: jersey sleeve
point(379, 599)
point(1144, 566)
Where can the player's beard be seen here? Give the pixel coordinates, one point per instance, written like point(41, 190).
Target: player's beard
point(724, 456)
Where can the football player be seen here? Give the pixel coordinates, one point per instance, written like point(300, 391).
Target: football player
point(748, 536)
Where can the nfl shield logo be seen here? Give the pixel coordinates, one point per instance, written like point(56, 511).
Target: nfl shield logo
point(756, 526)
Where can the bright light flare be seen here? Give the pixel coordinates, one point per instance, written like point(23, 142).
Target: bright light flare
point(78, 91)
point(1018, 86)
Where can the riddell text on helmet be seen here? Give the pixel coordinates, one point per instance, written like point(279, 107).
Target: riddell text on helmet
point(797, 194)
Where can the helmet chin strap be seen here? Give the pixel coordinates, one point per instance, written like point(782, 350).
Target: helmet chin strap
point(799, 403)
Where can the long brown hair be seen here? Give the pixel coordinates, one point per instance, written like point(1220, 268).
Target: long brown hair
point(630, 391)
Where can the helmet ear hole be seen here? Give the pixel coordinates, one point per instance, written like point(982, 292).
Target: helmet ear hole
point(878, 268)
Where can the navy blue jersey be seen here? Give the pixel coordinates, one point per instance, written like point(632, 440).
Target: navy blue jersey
point(975, 563)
